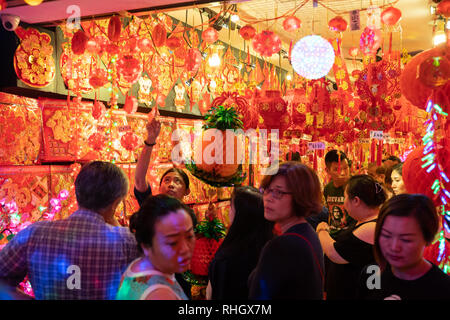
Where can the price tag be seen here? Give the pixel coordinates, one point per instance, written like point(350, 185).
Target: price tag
point(364, 140)
point(316, 145)
point(124, 128)
point(295, 141)
point(376, 135)
point(306, 137)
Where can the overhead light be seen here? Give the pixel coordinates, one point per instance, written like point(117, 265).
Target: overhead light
point(288, 77)
point(439, 38)
point(214, 60)
point(447, 25)
point(432, 10)
point(234, 18)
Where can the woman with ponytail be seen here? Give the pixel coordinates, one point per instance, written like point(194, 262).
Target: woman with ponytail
point(353, 249)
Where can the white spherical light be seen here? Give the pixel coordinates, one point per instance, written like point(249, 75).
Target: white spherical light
point(312, 57)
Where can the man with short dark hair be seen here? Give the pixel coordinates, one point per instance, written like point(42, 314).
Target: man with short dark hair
point(83, 256)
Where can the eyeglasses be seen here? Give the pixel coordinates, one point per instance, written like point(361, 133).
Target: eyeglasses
point(277, 194)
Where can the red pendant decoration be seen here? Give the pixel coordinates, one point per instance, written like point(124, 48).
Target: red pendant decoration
point(145, 45)
point(98, 110)
point(247, 32)
point(193, 60)
point(337, 24)
point(173, 43)
point(129, 68)
point(390, 16)
point(159, 35)
point(114, 29)
point(131, 104)
point(129, 141)
point(97, 141)
point(93, 47)
point(79, 41)
point(266, 43)
point(291, 23)
point(248, 113)
point(210, 35)
point(353, 51)
point(273, 109)
point(98, 78)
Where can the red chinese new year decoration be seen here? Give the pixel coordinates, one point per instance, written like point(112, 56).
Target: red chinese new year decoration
point(131, 104)
point(129, 141)
point(174, 42)
point(98, 110)
point(97, 141)
point(247, 112)
point(114, 29)
point(337, 24)
point(98, 78)
point(273, 109)
point(159, 35)
point(145, 45)
point(291, 23)
point(434, 72)
point(129, 68)
point(370, 41)
point(193, 60)
point(93, 47)
point(210, 35)
point(443, 8)
point(79, 42)
point(266, 43)
point(390, 16)
point(247, 32)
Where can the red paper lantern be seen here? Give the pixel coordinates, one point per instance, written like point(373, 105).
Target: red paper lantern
point(210, 35)
point(129, 68)
point(291, 23)
point(114, 28)
point(337, 24)
point(390, 16)
point(266, 43)
point(443, 8)
point(247, 32)
point(159, 35)
point(92, 46)
point(145, 45)
point(129, 141)
point(174, 42)
point(98, 110)
point(97, 141)
point(193, 60)
point(79, 41)
point(434, 72)
point(416, 178)
point(131, 104)
point(411, 87)
point(98, 78)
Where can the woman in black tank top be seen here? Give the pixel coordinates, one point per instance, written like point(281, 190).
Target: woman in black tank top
point(353, 248)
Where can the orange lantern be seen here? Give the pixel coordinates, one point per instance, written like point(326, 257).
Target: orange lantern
point(390, 16)
point(337, 24)
point(247, 32)
point(291, 23)
point(210, 35)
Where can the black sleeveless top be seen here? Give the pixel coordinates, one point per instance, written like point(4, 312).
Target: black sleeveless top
point(343, 279)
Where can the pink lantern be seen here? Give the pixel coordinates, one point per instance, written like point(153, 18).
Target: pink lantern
point(129, 141)
point(390, 16)
point(266, 43)
point(210, 35)
point(131, 104)
point(337, 24)
point(291, 23)
point(129, 68)
point(247, 32)
point(193, 60)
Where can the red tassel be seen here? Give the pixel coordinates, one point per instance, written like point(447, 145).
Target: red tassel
point(315, 160)
point(372, 150)
point(380, 152)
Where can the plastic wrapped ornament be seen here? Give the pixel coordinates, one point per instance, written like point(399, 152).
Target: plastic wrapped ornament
point(129, 68)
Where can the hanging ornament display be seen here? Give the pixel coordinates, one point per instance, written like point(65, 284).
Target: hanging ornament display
point(193, 60)
point(174, 43)
point(443, 8)
point(114, 28)
point(266, 43)
point(337, 24)
point(129, 68)
point(79, 42)
point(131, 104)
point(291, 23)
point(98, 109)
point(370, 41)
point(312, 57)
point(129, 141)
point(33, 59)
point(247, 32)
point(159, 35)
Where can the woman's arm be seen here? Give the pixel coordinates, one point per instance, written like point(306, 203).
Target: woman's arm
point(162, 294)
point(327, 243)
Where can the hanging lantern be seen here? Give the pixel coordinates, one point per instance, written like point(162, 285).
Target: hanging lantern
point(193, 60)
point(210, 35)
point(266, 43)
point(145, 45)
point(337, 24)
point(97, 141)
point(129, 68)
point(312, 57)
point(114, 28)
point(247, 32)
point(443, 8)
point(131, 104)
point(291, 23)
point(390, 16)
point(174, 42)
point(129, 141)
point(159, 35)
point(98, 78)
point(434, 72)
point(370, 41)
point(79, 41)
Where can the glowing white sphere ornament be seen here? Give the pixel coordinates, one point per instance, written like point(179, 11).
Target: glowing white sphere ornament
point(312, 57)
